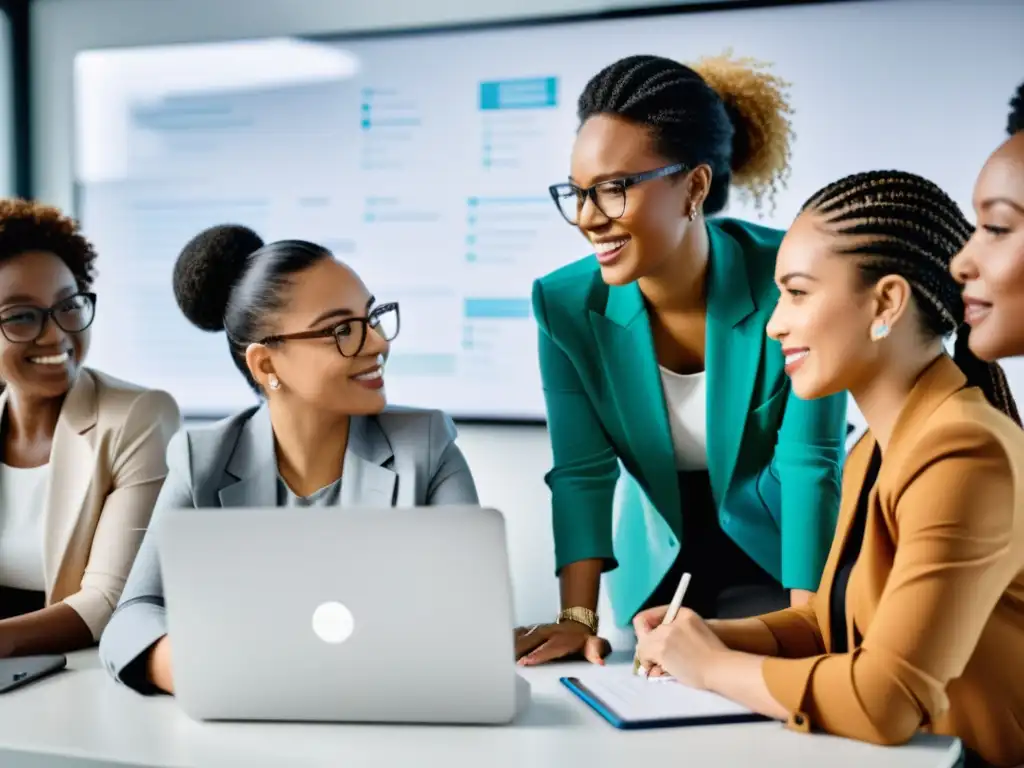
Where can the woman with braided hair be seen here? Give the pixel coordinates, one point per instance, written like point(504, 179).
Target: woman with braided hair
point(654, 359)
point(921, 602)
point(991, 266)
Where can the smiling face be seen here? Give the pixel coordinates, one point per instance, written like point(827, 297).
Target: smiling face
point(825, 313)
point(991, 266)
point(652, 225)
point(46, 365)
point(326, 296)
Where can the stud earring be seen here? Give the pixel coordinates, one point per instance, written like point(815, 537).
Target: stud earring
point(693, 213)
point(274, 382)
point(879, 331)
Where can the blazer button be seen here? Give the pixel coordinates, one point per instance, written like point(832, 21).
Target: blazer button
point(798, 719)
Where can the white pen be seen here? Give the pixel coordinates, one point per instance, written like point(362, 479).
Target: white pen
point(670, 614)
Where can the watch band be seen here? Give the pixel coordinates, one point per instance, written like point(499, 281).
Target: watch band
point(580, 615)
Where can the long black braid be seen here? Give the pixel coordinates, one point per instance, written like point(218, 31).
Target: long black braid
point(904, 224)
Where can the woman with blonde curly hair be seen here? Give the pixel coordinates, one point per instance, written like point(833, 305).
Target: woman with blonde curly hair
point(82, 453)
point(654, 359)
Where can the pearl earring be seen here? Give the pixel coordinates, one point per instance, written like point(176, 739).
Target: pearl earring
point(879, 331)
point(273, 382)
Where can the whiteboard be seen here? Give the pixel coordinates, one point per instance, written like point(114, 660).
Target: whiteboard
point(423, 160)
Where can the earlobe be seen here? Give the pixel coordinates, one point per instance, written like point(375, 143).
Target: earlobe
point(699, 184)
point(879, 331)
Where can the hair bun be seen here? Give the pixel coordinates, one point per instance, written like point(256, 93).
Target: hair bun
point(209, 266)
point(1015, 122)
point(757, 104)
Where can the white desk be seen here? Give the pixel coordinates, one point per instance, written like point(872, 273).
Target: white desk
point(81, 718)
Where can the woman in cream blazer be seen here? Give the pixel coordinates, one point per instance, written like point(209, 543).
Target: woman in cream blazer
point(83, 453)
point(919, 620)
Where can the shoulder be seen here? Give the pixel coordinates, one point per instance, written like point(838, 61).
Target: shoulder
point(964, 448)
point(212, 437)
point(568, 289)
point(404, 425)
point(202, 451)
point(967, 422)
point(759, 246)
point(755, 239)
point(123, 406)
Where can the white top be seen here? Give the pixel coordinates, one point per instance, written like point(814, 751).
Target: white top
point(22, 501)
point(686, 403)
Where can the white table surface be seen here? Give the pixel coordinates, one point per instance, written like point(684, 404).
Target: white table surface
point(81, 718)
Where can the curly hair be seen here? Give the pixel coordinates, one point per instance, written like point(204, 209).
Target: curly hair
point(1015, 122)
point(757, 102)
point(30, 226)
point(728, 113)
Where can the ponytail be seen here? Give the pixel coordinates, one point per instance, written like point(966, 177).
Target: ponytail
point(988, 377)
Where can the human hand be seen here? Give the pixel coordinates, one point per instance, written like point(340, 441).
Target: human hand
point(158, 665)
point(542, 643)
point(649, 620)
point(685, 649)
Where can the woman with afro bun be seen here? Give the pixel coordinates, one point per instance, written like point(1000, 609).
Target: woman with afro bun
point(991, 266)
point(313, 342)
point(655, 361)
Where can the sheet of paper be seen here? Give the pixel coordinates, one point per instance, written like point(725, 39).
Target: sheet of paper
point(637, 698)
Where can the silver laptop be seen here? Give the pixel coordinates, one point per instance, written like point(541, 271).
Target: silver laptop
point(341, 615)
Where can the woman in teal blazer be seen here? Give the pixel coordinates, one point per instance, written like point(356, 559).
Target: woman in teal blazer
point(655, 361)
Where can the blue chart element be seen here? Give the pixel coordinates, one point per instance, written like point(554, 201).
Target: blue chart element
point(523, 93)
point(497, 309)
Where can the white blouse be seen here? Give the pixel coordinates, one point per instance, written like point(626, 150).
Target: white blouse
point(22, 501)
point(686, 403)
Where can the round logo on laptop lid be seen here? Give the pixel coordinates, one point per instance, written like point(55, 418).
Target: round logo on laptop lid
point(333, 622)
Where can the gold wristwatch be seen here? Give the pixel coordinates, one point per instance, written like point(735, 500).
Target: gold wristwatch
point(583, 616)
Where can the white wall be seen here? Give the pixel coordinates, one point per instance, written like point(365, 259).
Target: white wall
point(508, 462)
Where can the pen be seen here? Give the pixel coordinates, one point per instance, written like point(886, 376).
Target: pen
point(670, 614)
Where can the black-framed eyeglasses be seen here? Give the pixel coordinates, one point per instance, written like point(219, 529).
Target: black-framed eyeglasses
point(350, 334)
point(25, 324)
point(609, 197)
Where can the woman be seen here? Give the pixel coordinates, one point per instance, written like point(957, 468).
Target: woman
point(921, 604)
point(312, 341)
point(83, 453)
point(991, 267)
point(653, 355)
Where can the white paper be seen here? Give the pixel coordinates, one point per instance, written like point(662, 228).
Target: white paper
point(637, 698)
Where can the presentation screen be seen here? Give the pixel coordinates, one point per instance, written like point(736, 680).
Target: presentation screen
point(423, 161)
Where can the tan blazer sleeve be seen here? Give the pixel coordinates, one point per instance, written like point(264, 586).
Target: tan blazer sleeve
point(138, 472)
point(791, 633)
point(948, 572)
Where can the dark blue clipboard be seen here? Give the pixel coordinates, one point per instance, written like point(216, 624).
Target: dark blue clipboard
point(616, 720)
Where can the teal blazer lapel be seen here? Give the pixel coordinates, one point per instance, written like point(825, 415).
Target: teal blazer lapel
point(732, 356)
point(630, 367)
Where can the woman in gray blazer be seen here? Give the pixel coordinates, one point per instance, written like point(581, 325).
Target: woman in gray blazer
point(312, 342)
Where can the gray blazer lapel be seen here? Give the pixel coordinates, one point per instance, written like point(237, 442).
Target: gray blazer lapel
point(365, 478)
point(252, 469)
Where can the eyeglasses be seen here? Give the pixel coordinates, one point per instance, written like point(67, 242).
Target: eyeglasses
point(25, 324)
point(609, 197)
point(350, 334)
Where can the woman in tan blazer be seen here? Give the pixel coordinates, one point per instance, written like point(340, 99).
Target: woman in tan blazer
point(82, 453)
point(919, 619)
